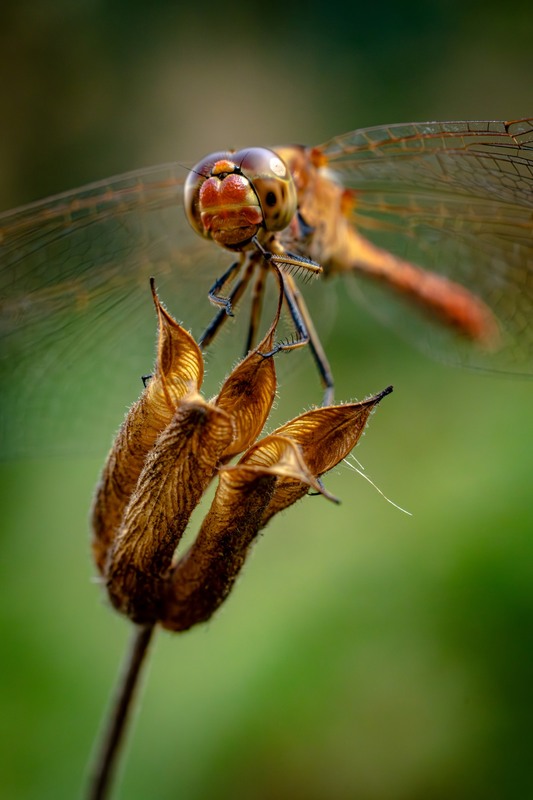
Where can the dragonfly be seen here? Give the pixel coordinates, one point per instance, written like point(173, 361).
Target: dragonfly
point(436, 216)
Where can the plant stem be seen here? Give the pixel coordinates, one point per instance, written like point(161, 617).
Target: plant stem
point(114, 729)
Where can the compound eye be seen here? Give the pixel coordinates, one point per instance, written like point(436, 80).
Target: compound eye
point(272, 183)
point(191, 190)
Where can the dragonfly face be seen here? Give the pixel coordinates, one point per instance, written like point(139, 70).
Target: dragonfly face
point(232, 197)
point(438, 215)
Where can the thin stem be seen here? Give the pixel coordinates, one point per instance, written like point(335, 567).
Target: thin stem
point(114, 729)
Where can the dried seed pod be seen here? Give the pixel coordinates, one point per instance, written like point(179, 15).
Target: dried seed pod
point(325, 435)
point(273, 474)
point(178, 468)
point(167, 452)
point(178, 371)
point(247, 395)
point(176, 473)
point(202, 579)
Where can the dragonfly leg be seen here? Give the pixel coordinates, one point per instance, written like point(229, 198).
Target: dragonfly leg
point(307, 334)
point(214, 296)
point(255, 313)
point(302, 335)
point(221, 316)
point(317, 350)
point(288, 262)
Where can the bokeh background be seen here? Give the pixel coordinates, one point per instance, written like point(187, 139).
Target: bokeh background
point(365, 654)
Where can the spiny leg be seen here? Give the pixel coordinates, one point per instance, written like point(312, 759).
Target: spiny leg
point(287, 262)
point(300, 314)
point(317, 350)
point(305, 330)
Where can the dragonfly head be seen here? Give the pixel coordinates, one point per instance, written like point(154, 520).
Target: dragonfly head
point(232, 197)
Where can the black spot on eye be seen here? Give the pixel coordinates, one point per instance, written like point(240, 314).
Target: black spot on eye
point(270, 199)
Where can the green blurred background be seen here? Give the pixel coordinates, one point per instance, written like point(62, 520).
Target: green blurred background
point(364, 654)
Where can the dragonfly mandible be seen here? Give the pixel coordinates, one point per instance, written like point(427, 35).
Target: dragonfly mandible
point(440, 215)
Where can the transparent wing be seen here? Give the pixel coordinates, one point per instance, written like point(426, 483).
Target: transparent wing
point(77, 325)
point(455, 198)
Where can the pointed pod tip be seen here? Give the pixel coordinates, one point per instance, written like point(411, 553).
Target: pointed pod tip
point(384, 393)
point(153, 290)
point(155, 296)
